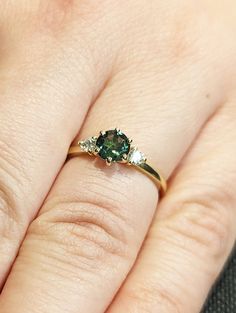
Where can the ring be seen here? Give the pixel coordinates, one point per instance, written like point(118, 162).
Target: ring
point(114, 146)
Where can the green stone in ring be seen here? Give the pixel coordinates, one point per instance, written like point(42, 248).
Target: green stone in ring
point(113, 145)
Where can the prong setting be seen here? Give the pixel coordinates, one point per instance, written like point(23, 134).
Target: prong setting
point(119, 132)
point(109, 161)
point(96, 150)
point(124, 158)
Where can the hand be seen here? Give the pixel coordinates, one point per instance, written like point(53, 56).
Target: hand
point(163, 72)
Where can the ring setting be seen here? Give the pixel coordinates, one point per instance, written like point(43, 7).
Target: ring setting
point(113, 146)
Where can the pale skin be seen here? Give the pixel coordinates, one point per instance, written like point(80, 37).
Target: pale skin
point(81, 237)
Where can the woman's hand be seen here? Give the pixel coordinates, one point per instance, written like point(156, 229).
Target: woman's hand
point(165, 73)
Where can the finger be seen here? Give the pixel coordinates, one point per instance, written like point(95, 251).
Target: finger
point(42, 109)
point(193, 231)
point(89, 231)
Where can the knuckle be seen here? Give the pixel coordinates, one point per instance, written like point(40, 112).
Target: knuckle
point(48, 15)
point(182, 41)
point(13, 178)
point(11, 217)
point(13, 173)
point(187, 30)
point(8, 214)
point(207, 226)
point(54, 15)
point(88, 230)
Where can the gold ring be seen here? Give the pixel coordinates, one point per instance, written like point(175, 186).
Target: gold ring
point(114, 146)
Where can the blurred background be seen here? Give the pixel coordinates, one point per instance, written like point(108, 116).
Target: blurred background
point(223, 296)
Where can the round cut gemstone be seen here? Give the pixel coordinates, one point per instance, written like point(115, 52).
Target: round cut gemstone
point(113, 145)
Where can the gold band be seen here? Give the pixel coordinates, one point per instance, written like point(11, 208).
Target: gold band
point(145, 168)
point(154, 175)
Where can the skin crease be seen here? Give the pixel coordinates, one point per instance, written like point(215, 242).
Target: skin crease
point(81, 237)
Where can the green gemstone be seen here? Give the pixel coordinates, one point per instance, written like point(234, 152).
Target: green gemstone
point(113, 144)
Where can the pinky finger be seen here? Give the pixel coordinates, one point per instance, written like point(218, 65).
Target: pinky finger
point(193, 232)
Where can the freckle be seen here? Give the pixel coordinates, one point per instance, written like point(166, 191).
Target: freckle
point(208, 96)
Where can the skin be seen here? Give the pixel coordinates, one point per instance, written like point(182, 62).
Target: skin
point(82, 237)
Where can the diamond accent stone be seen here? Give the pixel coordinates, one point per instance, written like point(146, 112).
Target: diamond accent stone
point(88, 145)
point(136, 157)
